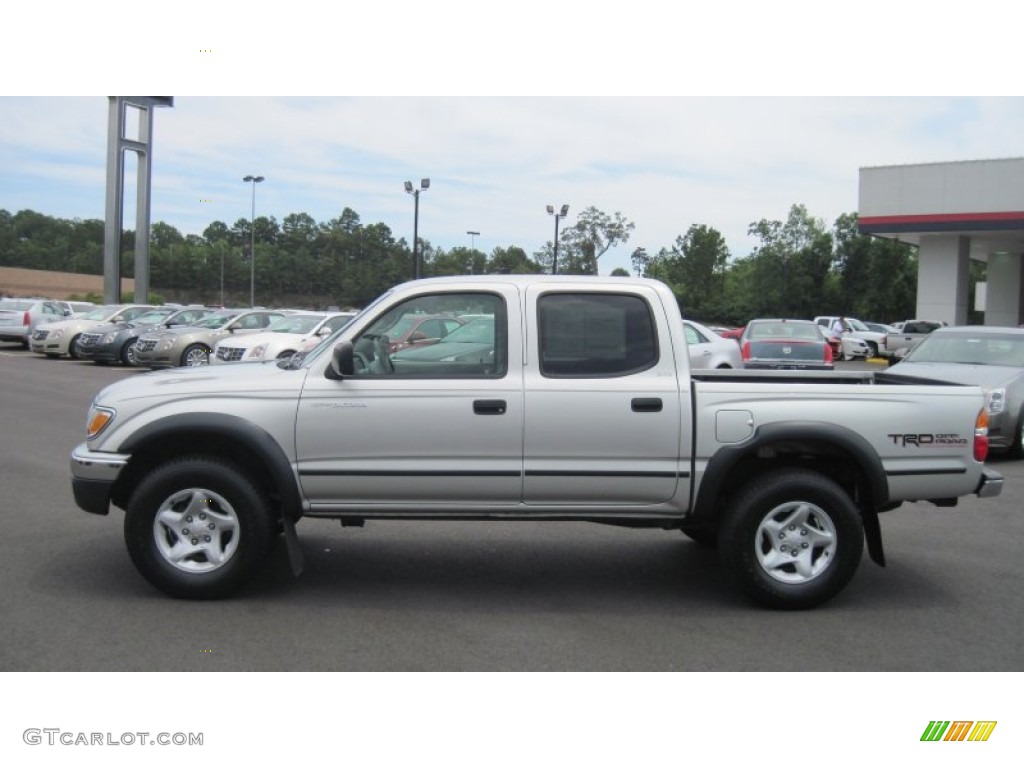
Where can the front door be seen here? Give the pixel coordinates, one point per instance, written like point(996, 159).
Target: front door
point(422, 429)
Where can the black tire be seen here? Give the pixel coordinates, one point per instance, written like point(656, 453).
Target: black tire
point(786, 511)
point(195, 355)
point(127, 353)
point(1017, 447)
point(73, 348)
point(226, 528)
point(874, 349)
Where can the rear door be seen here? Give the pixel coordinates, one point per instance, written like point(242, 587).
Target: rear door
point(603, 405)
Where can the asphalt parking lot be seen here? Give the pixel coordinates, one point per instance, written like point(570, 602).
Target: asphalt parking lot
point(474, 596)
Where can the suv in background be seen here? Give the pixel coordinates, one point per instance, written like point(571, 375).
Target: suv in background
point(19, 317)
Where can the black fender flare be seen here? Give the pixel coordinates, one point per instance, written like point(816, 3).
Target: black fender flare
point(234, 428)
point(712, 484)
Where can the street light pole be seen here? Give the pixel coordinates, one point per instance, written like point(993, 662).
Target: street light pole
point(472, 247)
point(252, 254)
point(560, 215)
point(424, 184)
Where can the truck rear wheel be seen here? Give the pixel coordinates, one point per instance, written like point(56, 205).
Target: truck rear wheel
point(793, 539)
point(197, 528)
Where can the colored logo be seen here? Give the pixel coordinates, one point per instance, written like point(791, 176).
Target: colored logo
point(959, 730)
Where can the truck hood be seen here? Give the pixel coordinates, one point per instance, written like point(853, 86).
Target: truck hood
point(205, 380)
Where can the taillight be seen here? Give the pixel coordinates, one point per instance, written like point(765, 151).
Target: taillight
point(828, 353)
point(981, 436)
point(745, 350)
point(27, 320)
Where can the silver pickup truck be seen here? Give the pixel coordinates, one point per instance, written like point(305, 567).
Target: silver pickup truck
point(895, 346)
point(561, 398)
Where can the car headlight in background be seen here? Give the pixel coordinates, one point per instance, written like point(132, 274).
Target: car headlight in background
point(995, 400)
point(164, 345)
point(257, 351)
point(108, 337)
point(54, 335)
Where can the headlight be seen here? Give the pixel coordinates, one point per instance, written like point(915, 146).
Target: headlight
point(257, 351)
point(99, 418)
point(995, 400)
point(164, 345)
point(54, 335)
point(108, 337)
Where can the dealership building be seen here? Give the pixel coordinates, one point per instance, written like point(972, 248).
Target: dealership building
point(954, 212)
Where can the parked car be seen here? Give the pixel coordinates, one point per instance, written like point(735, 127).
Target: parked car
point(881, 328)
point(20, 317)
point(990, 357)
point(468, 350)
point(785, 344)
point(115, 343)
point(708, 349)
point(909, 335)
point(732, 333)
point(283, 338)
point(77, 308)
point(853, 329)
point(61, 338)
point(192, 345)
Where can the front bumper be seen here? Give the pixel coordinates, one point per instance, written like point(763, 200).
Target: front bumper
point(93, 475)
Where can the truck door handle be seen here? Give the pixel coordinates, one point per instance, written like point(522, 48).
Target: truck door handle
point(647, 404)
point(490, 407)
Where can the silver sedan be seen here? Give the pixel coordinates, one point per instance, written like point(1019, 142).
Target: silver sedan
point(987, 356)
point(708, 349)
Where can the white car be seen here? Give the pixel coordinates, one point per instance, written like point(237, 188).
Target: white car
point(282, 339)
point(854, 329)
point(61, 338)
point(708, 349)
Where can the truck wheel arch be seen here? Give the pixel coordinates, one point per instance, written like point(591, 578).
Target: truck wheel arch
point(802, 444)
point(219, 432)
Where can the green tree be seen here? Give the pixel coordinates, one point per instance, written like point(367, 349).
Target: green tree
point(585, 242)
point(792, 264)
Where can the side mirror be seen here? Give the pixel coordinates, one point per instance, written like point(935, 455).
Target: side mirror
point(418, 336)
point(342, 361)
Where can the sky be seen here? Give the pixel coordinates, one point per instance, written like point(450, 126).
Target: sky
point(494, 163)
point(673, 114)
point(670, 131)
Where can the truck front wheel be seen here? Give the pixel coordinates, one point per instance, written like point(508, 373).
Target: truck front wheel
point(197, 528)
point(793, 539)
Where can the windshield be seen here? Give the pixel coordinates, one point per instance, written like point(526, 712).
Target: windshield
point(100, 313)
point(857, 325)
point(153, 316)
point(970, 349)
point(295, 324)
point(16, 306)
point(216, 320)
